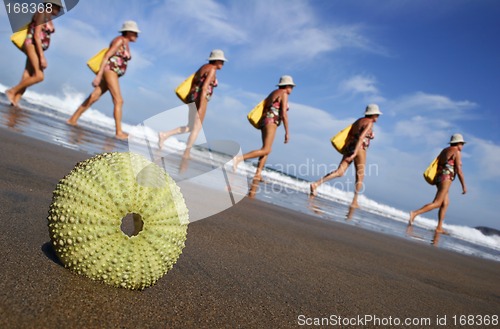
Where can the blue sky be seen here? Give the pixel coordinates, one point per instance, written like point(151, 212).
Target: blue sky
point(432, 66)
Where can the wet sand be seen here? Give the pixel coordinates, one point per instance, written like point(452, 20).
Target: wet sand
point(252, 266)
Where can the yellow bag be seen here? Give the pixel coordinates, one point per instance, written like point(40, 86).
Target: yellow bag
point(19, 37)
point(95, 62)
point(182, 90)
point(338, 141)
point(431, 171)
point(255, 114)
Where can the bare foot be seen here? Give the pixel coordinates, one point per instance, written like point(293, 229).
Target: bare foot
point(350, 213)
point(412, 218)
point(184, 163)
point(312, 189)
point(71, 122)
point(161, 140)
point(354, 205)
point(121, 136)
point(258, 178)
point(236, 162)
point(441, 231)
point(10, 97)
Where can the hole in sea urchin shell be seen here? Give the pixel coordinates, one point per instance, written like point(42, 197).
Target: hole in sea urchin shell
point(132, 224)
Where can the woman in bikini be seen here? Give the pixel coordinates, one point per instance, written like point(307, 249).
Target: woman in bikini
point(36, 43)
point(449, 165)
point(275, 111)
point(202, 87)
point(357, 142)
point(113, 66)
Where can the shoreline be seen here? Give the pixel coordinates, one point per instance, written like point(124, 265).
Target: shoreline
point(254, 265)
point(83, 139)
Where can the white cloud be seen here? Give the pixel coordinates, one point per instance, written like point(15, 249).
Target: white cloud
point(359, 84)
point(307, 118)
point(486, 154)
point(77, 38)
point(362, 85)
point(258, 31)
point(207, 18)
point(352, 36)
point(423, 102)
point(423, 131)
point(277, 36)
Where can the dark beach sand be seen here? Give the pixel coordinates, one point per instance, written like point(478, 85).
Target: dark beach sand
point(252, 266)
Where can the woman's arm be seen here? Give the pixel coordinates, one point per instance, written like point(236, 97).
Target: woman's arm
point(284, 114)
point(362, 136)
point(459, 172)
point(37, 42)
point(202, 97)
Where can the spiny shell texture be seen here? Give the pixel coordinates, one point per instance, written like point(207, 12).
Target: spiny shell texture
point(87, 209)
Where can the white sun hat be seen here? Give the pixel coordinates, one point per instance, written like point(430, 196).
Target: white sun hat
point(130, 26)
point(372, 109)
point(55, 2)
point(457, 138)
point(217, 55)
point(286, 80)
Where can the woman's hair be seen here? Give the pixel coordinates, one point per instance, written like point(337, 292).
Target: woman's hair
point(215, 60)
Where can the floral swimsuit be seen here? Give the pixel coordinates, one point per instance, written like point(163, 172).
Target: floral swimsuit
point(350, 146)
point(47, 30)
point(272, 114)
point(195, 90)
point(445, 171)
point(119, 61)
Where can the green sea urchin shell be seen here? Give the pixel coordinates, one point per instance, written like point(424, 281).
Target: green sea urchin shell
point(87, 209)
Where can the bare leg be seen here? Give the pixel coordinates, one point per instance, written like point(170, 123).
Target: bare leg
point(334, 174)
point(195, 130)
point(32, 74)
point(193, 117)
point(91, 99)
point(114, 88)
point(260, 167)
point(442, 213)
point(26, 75)
point(439, 199)
point(268, 133)
point(253, 187)
point(163, 136)
point(359, 165)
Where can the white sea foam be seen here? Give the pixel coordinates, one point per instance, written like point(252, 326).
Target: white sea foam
point(329, 192)
point(64, 106)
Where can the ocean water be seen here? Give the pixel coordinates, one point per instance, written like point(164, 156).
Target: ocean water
point(208, 175)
